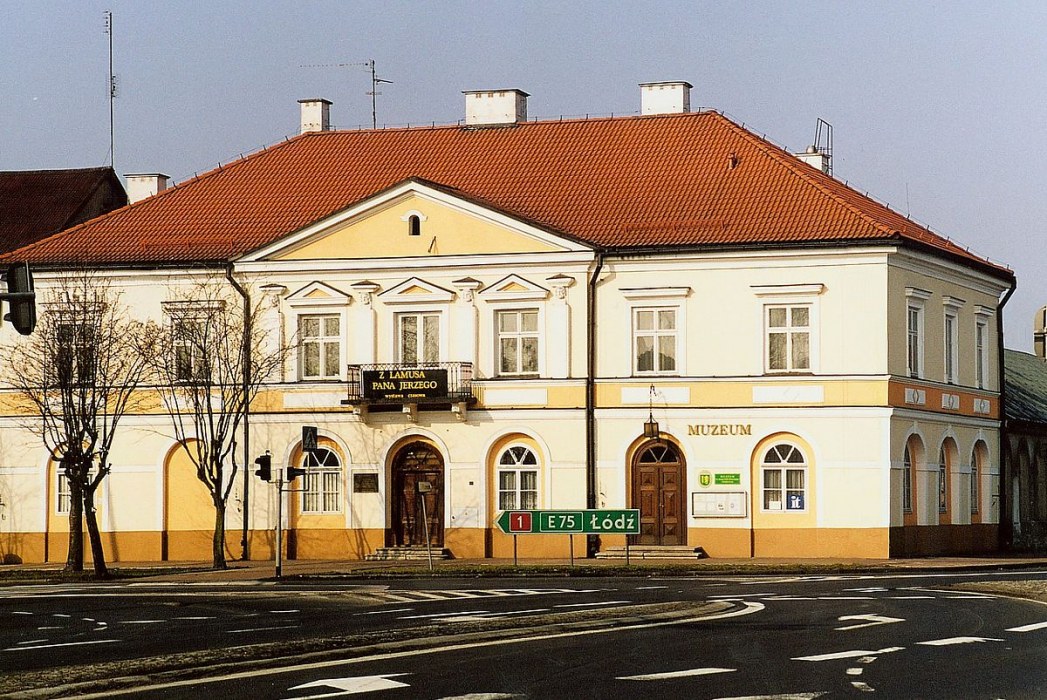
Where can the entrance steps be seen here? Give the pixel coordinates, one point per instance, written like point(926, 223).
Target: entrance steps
point(411, 553)
point(643, 551)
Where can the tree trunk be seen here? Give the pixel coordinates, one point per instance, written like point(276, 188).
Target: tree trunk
point(97, 553)
point(75, 559)
point(218, 545)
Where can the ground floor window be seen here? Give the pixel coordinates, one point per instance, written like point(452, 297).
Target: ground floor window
point(517, 479)
point(322, 487)
point(784, 473)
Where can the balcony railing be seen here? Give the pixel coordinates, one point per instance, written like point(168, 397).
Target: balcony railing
point(397, 384)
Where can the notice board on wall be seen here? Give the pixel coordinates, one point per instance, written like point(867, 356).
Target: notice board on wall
point(718, 504)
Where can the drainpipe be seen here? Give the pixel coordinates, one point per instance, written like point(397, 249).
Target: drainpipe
point(1006, 533)
point(591, 541)
point(244, 547)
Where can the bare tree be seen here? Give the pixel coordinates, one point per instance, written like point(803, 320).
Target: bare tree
point(217, 356)
point(80, 371)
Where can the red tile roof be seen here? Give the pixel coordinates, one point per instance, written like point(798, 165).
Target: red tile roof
point(636, 182)
point(37, 203)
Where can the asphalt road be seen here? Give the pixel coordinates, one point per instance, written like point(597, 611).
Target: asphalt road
point(732, 637)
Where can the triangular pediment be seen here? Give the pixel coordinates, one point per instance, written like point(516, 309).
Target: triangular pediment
point(318, 294)
point(514, 287)
point(415, 220)
point(414, 291)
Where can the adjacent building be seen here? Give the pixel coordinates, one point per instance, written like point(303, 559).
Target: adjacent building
point(664, 312)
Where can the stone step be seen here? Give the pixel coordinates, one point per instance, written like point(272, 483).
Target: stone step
point(414, 553)
point(646, 551)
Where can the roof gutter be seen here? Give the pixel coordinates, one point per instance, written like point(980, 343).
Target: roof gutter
point(245, 386)
point(592, 544)
point(1006, 526)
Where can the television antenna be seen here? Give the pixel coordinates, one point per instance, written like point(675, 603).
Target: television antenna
point(375, 81)
point(112, 89)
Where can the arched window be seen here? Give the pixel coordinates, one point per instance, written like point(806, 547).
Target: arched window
point(943, 480)
point(977, 457)
point(414, 225)
point(784, 472)
point(517, 479)
point(322, 487)
point(907, 480)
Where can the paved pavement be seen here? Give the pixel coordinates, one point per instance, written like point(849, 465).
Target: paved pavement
point(200, 571)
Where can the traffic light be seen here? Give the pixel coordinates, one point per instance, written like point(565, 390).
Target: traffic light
point(21, 299)
point(265, 467)
point(293, 473)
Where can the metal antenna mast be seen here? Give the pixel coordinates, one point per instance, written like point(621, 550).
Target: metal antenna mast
point(112, 89)
point(375, 80)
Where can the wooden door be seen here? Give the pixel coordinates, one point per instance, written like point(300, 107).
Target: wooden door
point(417, 463)
point(659, 492)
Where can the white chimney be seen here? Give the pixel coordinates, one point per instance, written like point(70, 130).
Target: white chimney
point(143, 185)
point(316, 115)
point(1039, 333)
point(816, 159)
point(486, 107)
point(666, 97)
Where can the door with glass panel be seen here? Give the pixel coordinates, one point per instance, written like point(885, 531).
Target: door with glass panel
point(417, 463)
point(658, 491)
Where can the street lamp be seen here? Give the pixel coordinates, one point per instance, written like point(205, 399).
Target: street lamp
point(650, 428)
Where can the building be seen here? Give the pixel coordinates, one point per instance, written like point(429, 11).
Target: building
point(35, 204)
point(665, 312)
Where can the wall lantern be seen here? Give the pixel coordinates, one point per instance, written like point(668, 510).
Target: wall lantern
point(650, 428)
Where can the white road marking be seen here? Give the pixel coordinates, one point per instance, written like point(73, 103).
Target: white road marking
point(64, 644)
point(971, 597)
point(141, 622)
point(676, 674)
point(52, 627)
point(1028, 628)
point(352, 686)
point(464, 612)
point(487, 616)
point(786, 696)
point(483, 696)
point(845, 597)
point(864, 687)
point(846, 654)
point(786, 597)
point(590, 605)
point(871, 621)
point(867, 659)
point(21, 612)
point(649, 588)
point(873, 589)
point(855, 671)
point(385, 612)
point(912, 597)
point(196, 617)
point(958, 640)
point(263, 629)
point(60, 615)
point(283, 612)
point(31, 641)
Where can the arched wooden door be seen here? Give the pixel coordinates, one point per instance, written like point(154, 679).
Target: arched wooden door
point(659, 491)
point(418, 480)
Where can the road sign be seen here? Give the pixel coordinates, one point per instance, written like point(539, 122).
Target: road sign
point(569, 522)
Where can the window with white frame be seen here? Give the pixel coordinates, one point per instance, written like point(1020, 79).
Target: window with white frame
point(976, 462)
point(76, 355)
point(655, 340)
point(907, 480)
point(517, 479)
point(322, 487)
point(943, 481)
point(320, 346)
point(784, 476)
point(788, 333)
point(63, 497)
point(418, 338)
point(950, 343)
point(517, 342)
point(914, 339)
point(981, 352)
point(187, 348)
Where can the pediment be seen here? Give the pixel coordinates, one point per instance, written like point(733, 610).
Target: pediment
point(514, 288)
point(415, 220)
point(416, 291)
point(318, 294)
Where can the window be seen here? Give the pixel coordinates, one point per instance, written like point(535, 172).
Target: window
point(414, 225)
point(975, 495)
point(517, 479)
point(914, 326)
point(419, 336)
point(907, 481)
point(981, 352)
point(950, 348)
point(63, 498)
point(321, 344)
point(943, 481)
point(788, 338)
point(75, 358)
point(187, 348)
point(322, 488)
point(654, 340)
point(518, 342)
point(784, 471)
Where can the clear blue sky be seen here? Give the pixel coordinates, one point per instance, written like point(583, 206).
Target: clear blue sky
point(938, 107)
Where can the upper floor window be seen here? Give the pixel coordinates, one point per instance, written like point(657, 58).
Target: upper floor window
point(981, 352)
point(187, 350)
point(320, 346)
point(914, 340)
point(517, 479)
point(322, 487)
point(655, 340)
point(784, 474)
point(951, 338)
point(419, 338)
point(76, 354)
point(518, 342)
point(788, 330)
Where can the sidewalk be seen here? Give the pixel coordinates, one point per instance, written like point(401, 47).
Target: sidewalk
point(240, 571)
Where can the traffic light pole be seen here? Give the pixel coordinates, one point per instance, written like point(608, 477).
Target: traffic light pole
point(279, 524)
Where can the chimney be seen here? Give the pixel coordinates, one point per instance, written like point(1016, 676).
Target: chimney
point(817, 158)
point(143, 185)
point(666, 97)
point(1039, 333)
point(490, 107)
point(316, 115)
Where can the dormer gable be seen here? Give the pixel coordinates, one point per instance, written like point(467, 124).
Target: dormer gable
point(416, 291)
point(514, 288)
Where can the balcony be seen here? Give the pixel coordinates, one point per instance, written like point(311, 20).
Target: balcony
point(391, 384)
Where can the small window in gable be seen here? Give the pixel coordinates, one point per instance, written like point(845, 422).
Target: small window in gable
point(414, 225)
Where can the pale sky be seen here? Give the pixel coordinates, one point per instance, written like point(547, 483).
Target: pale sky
point(938, 107)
